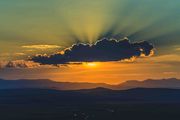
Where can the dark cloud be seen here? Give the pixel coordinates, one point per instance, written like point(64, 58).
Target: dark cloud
point(102, 51)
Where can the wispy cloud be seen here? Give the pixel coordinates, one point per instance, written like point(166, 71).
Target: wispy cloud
point(12, 54)
point(167, 58)
point(41, 47)
point(170, 73)
point(178, 49)
point(172, 60)
point(8, 56)
point(20, 54)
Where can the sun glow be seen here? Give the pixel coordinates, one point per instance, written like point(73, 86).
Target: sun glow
point(91, 64)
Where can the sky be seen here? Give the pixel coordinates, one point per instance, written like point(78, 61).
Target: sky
point(50, 27)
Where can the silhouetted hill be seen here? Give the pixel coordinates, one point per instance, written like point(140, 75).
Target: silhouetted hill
point(92, 104)
point(48, 84)
point(171, 83)
point(92, 95)
point(161, 83)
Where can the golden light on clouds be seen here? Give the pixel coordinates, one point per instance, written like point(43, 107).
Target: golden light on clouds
point(91, 64)
point(49, 27)
point(41, 47)
point(93, 72)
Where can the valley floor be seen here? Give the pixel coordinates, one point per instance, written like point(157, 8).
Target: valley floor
point(52, 105)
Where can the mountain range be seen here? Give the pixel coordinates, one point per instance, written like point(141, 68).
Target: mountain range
point(171, 83)
point(49, 100)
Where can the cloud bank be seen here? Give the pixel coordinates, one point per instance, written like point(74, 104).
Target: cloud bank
point(18, 64)
point(102, 51)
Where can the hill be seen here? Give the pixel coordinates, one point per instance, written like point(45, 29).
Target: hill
point(89, 104)
point(171, 83)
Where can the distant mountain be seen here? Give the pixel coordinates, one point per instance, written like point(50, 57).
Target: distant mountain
point(150, 83)
point(171, 83)
point(48, 84)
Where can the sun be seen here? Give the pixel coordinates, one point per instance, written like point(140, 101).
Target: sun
point(90, 64)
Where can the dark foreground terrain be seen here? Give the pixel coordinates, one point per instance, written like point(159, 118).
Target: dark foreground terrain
point(94, 104)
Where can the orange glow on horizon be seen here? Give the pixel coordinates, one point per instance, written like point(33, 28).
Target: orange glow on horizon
point(91, 64)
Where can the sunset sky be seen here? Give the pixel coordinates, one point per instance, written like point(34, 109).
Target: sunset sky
point(51, 27)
